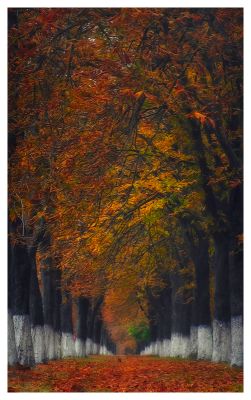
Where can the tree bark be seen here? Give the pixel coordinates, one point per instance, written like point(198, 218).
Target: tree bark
point(221, 323)
point(21, 270)
point(48, 306)
point(181, 319)
point(67, 342)
point(82, 313)
point(201, 327)
point(93, 310)
point(57, 301)
point(236, 276)
point(97, 333)
point(12, 349)
point(36, 311)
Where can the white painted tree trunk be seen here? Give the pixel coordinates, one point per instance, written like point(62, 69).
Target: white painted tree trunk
point(95, 348)
point(180, 346)
point(80, 348)
point(57, 345)
point(194, 341)
point(49, 342)
point(153, 348)
point(157, 347)
point(237, 341)
point(221, 341)
point(67, 345)
point(161, 348)
point(38, 340)
point(12, 349)
point(88, 346)
point(22, 328)
point(166, 348)
point(150, 349)
point(205, 342)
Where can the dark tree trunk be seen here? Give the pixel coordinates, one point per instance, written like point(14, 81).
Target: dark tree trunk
point(83, 305)
point(12, 349)
point(103, 348)
point(221, 324)
point(93, 310)
point(57, 312)
point(66, 315)
point(51, 282)
point(82, 314)
point(67, 343)
point(88, 343)
point(97, 333)
point(36, 306)
point(201, 307)
point(111, 346)
point(48, 305)
point(105, 343)
point(153, 326)
point(194, 326)
point(166, 320)
point(236, 302)
point(181, 319)
point(36, 311)
point(236, 276)
point(21, 270)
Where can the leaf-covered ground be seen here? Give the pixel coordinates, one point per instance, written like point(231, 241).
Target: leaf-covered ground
point(126, 374)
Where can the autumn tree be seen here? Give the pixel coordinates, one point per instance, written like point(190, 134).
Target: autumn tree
point(127, 132)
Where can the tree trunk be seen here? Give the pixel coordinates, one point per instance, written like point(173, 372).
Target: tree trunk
point(167, 321)
point(89, 342)
point(48, 306)
point(221, 323)
point(97, 333)
point(194, 327)
point(202, 299)
point(57, 312)
point(181, 319)
point(201, 330)
point(12, 349)
point(236, 277)
point(153, 329)
point(67, 342)
point(82, 313)
point(93, 310)
point(36, 312)
point(21, 289)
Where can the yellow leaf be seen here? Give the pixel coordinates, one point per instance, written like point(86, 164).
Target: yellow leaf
point(137, 95)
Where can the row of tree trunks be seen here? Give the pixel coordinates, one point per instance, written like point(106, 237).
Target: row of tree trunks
point(192, 333)
point(98, 340)
point(221, 340)
point(40, 325)
point(228, 263)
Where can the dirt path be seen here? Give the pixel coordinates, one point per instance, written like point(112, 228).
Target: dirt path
point(126, 374)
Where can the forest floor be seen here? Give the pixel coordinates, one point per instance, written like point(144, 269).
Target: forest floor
point(126, 374)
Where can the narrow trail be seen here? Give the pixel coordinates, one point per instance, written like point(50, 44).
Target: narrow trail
point(126, 374)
